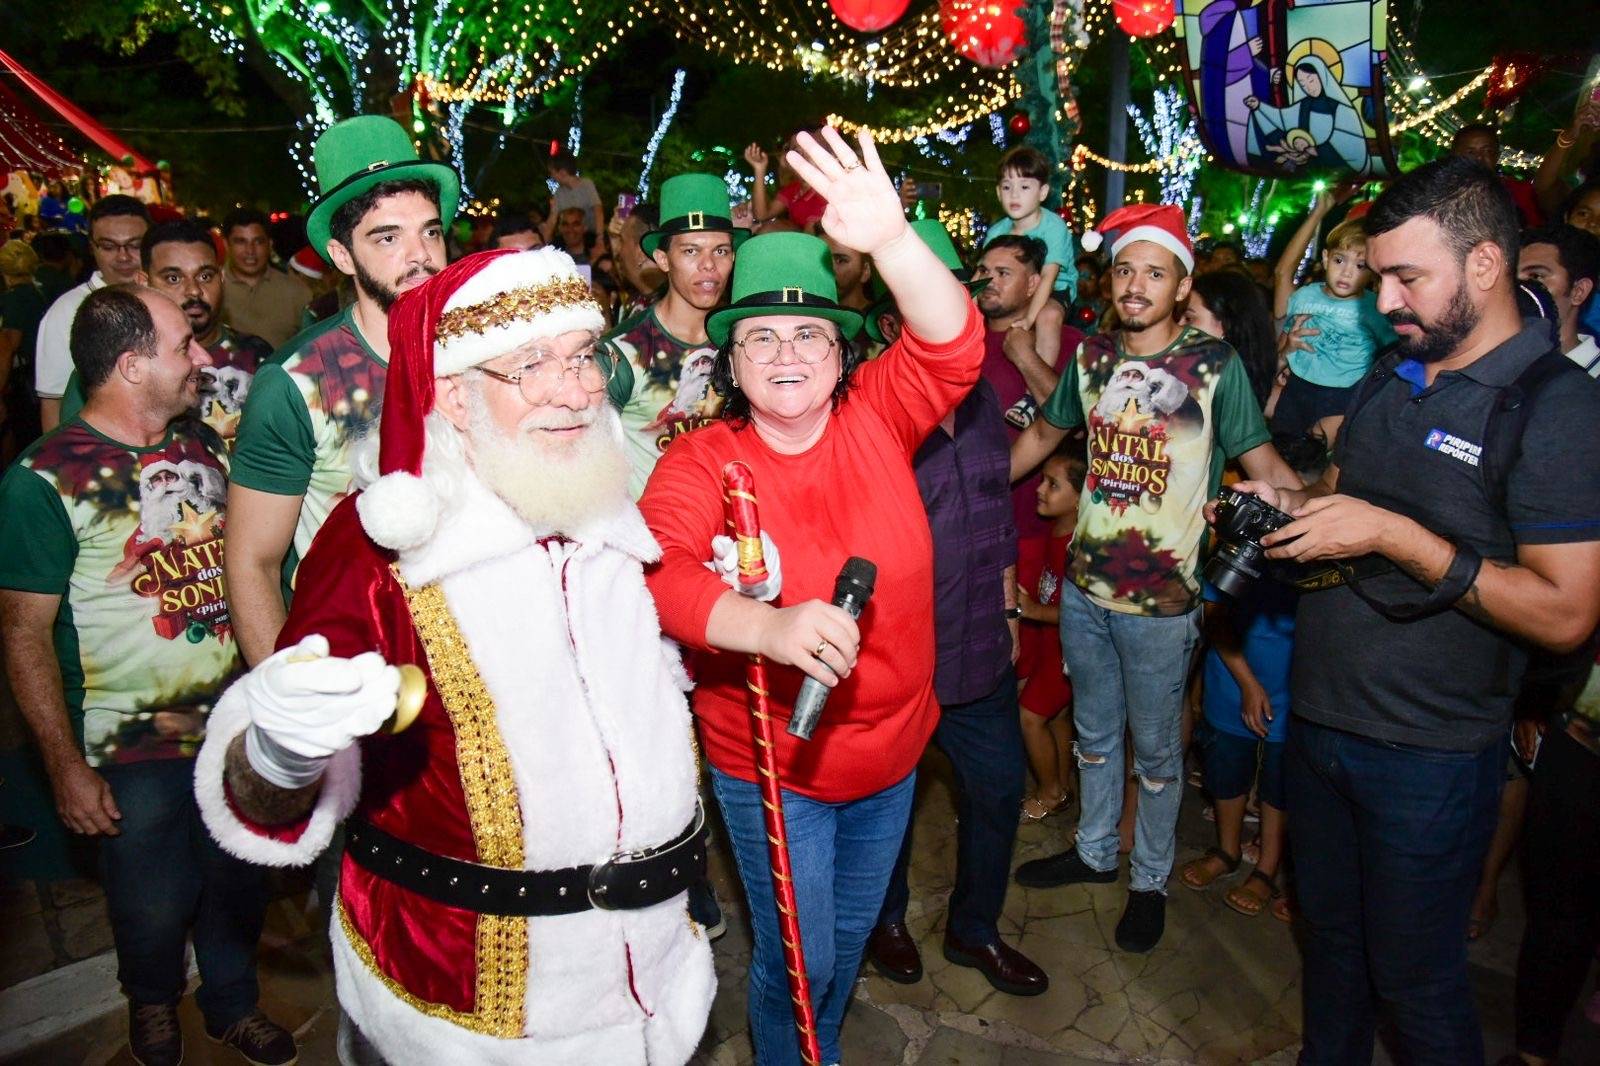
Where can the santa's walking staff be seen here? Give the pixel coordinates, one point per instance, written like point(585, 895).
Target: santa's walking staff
point(744, 525)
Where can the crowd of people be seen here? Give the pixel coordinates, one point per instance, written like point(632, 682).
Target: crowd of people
point(1316, 536)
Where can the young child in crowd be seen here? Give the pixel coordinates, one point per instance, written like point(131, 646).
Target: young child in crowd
point(1023, 188)
point(1250, 643)
point(1046, 696)
point(1339, 330)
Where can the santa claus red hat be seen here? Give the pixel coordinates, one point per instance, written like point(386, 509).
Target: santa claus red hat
point(472, 311)
point(1161, 224)
point(307, 263)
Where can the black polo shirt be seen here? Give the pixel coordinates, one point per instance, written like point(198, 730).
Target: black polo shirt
point(1446, 681)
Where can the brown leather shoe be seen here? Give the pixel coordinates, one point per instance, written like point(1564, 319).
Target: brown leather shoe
point(894, 953)
point(1008, 969)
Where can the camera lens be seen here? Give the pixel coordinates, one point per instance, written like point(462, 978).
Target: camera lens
point(1235, 564)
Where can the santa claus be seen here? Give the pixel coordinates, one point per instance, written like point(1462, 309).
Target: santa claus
point(513, 885)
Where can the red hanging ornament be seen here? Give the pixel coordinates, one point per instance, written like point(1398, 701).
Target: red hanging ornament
point(869, 16)
point(988, 32)
point(1510, 76)
point(1019, 125)
point(1143, 18)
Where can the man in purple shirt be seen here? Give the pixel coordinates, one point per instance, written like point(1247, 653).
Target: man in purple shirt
point(963, 472)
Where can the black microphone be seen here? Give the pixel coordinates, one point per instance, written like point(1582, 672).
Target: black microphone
point(851, 592)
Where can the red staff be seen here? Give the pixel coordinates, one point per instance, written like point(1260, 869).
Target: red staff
point(744, 525)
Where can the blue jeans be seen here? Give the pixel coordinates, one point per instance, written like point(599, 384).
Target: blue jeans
point(841, 854)
point(1128, 674)
point(167, 880)
point(984, 742)
point(1388, 843)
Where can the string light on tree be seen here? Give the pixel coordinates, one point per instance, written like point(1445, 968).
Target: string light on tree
point(660, 133)
point(1170, 140)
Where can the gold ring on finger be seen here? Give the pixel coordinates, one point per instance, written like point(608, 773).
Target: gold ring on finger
point(822, 647)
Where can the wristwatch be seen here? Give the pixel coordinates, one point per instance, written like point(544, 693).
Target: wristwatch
point(1013, 613)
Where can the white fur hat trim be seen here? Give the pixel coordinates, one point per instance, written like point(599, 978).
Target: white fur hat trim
point(503, 276)
point(399, 511)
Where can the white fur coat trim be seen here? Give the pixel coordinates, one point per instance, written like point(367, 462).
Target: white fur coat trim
point(341, 786)
point(667, 1036)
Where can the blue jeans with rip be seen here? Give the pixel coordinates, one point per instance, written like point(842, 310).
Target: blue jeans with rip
point(841, 855)
point(166, 880)
point(1128, 675)
point(1388, 843)
point(983, 740)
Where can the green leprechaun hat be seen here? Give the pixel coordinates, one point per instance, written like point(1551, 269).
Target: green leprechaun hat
point(693, 203)
point(935, 236)
point(783, 274)
point(354, 155)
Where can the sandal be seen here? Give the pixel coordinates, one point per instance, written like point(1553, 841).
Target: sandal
point(1199, 873)
point(1248, 903)
point(1034, 810)
point(1281, 908)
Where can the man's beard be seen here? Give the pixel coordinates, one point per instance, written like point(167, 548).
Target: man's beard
point(559, 487)
point(201, 325)
point(993, 308)
point(1440, 340)
point(383, 295)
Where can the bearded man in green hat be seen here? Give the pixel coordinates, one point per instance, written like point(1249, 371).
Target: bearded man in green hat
point(665, 345)
point(381, 219)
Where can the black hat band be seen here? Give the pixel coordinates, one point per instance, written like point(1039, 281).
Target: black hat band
point(695, 222)
point(788, 297)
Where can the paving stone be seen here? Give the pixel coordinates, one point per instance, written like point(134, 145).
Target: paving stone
point(27, 950)
point(85, 929)
point(1105, 1019)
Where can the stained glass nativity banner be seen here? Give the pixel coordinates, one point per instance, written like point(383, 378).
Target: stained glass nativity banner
point(1283, 87)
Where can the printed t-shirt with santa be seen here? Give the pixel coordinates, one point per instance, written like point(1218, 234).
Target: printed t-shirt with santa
point(317, 396)
point(1041, 565)
point(1159, 429)
point(671, 392)
point(224, 385)
point(131, 540)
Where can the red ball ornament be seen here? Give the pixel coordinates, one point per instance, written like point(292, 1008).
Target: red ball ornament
point(1019, 125)
point(988, 32)
point(1143, 18)
point(869, 16)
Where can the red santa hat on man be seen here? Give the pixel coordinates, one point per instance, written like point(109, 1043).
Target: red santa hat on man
point(472, 311)
point(1161, 224)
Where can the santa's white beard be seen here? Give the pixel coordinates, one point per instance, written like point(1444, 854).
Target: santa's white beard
point(557, 487)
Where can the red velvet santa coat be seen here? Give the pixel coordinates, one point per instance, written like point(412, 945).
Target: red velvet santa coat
point(568, 743)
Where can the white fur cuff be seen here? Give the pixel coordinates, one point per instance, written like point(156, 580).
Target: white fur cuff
point(341, 787)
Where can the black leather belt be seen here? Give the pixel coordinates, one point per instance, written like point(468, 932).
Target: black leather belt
point(626, 881)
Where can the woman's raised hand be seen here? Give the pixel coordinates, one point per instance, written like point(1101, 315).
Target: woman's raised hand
point(864, 211)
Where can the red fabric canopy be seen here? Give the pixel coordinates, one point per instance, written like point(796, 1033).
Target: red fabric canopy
point(103, 138)
point(25, 142)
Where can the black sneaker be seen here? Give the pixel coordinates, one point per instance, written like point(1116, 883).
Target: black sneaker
point(705, 910)
point(1143, 922)
point(259, 1039)
point(1064, 868)
point(153, 1034)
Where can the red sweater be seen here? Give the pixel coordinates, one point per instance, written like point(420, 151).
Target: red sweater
point(851, 493)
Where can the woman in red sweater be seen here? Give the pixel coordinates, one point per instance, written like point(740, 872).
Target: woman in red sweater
point(829, 441)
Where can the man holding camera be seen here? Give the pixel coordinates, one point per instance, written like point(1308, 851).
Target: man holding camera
point(1463, 505)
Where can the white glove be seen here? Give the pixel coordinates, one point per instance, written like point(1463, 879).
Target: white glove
point(305, 707)
point(725, 563)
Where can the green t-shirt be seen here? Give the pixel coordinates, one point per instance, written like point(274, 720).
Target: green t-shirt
point(131, 539)
point(1155, 427)
point(670, 390)
point(321, 392)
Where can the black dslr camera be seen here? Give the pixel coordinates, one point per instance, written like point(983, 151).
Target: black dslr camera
point(1242, 520)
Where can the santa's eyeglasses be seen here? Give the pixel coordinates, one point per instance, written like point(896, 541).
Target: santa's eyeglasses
point(540, 378)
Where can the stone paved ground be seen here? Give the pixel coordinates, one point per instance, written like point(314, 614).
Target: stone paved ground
point(1219, 989)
